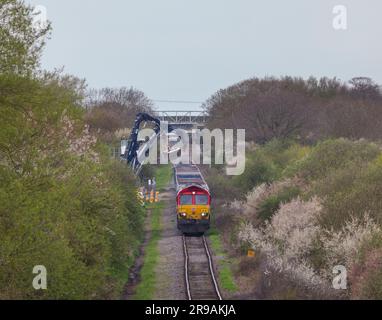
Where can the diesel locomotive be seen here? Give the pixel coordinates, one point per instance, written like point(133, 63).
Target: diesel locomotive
point(193, 199)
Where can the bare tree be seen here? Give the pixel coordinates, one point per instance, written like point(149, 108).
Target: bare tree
point(292, 107)
point(267, 108)
point(364, 87)
point(113, 109)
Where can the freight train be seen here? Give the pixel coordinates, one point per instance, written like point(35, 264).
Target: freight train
point(193, 199)
point(193, 196)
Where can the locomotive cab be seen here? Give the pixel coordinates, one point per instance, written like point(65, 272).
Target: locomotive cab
point(193, 209)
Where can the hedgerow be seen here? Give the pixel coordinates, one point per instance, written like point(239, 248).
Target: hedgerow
point(63, 203)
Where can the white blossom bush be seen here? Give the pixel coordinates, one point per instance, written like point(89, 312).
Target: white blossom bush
point(341, 247)
point(235, 205)
point(258, 194)
point(287, 239)
point(254, 198)
point(294, 231)
point(79, 144)
point(251, 236)
point(295, 226)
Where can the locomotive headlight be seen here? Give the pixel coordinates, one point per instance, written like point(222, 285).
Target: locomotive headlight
point(183, 214)
point(204, 214)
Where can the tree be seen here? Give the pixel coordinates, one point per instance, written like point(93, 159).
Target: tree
point(267, 108)
point(110, 109)
point(290, 107)
point(277, 113)
point(364, 87)
point(64, 203)
point(21, 41)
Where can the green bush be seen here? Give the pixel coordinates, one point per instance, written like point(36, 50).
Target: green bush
point(269, 163)
point(284, 152)
point(270, 205)
point(336, 190)
point(259, 169)
point(351, 191)
point(331, 155)
point(367, 190)
point(63, 203)
point(366, 274)
point(221, 186)
point(372, 288)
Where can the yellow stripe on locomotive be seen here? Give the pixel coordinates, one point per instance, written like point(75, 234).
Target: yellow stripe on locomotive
point(194, 212)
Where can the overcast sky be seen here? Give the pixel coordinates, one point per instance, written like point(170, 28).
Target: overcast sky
point(189, 49)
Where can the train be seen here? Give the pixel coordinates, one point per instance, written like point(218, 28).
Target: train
point(193, 200)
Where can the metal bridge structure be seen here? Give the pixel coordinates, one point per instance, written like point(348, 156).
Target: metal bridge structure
point(135, 151)
point(184, 119)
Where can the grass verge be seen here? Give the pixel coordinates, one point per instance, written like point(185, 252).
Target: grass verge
point(146, 288)
point(226, 279)
point(163, 175)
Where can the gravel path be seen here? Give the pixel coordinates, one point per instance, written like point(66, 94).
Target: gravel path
point(170, 266)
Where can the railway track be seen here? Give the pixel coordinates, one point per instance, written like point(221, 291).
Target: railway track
point(199, 273)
